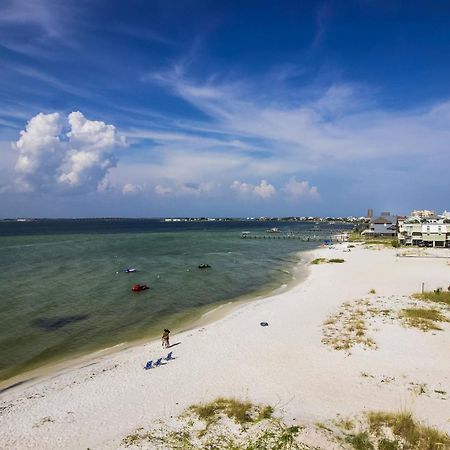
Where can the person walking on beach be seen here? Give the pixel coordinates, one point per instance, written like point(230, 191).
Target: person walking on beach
point(165, 338)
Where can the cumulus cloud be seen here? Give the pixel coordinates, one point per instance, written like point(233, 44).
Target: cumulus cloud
point(163, 190)
point(41, 152)
point(263, 189)
point(77, 160)
point(301, 189)
point(131, 189)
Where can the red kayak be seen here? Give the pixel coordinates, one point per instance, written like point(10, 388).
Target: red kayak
point(139, 287)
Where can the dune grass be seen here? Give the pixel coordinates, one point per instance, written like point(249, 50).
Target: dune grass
point(393, 431)
point(241, 425)
point(348, 327)
point(422, 318)
point(325, 260)
point(437, 296)
point(207, 426)
point(319, 261)
point(408, 433)
point(237, 410)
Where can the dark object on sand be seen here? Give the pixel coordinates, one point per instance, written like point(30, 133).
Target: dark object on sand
point(264, 324)
point(54, 323)
point(165, 338)
point(139, 287)
point(204, 266)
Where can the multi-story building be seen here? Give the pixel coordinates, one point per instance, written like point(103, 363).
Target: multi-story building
point(436, 234)
point(422, 213)
point(430, 232)
point(385, 225)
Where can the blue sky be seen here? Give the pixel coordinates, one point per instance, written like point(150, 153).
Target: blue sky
point(156, 108)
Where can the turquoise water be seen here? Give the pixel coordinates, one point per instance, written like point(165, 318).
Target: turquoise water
point(61, 295)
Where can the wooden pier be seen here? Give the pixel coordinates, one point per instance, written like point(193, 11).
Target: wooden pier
point(287, 236)
point(335, 238)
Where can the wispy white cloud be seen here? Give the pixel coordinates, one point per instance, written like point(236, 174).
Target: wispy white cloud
point(31, 12)
point(287, 134)
point(43, 24)
point(323, 16)
point(185, 189)
point(142, 34)
point(340, 123)
point(29, 72)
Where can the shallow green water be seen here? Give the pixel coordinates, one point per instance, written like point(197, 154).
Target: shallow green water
point(60, 294)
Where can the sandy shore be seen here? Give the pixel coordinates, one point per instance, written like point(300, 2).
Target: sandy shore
point(285, 364)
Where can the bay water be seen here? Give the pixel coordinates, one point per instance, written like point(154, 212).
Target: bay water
point(64, 292)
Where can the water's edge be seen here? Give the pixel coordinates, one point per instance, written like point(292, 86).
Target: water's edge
point(200, 317)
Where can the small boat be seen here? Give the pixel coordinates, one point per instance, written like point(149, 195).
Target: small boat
point(273, 230)
point(139, 287)
point(130, 270)
point(204, 266)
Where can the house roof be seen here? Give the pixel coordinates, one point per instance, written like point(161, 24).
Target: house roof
point(385, 220)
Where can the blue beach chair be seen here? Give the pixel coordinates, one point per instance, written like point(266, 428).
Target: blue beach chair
point(169, 356)
point(158, 362)
point(149, 365)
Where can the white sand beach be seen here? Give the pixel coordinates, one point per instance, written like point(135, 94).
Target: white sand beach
point(285, 364)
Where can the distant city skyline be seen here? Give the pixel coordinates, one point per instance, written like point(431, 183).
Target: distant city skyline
point(223, 109)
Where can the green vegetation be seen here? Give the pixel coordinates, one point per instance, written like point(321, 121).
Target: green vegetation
point(266, 412)
point(360, 441)
point(345, 424)
point(325, 260)
point(207, 426)
point(437, 296)
point(422, 318)
point(394, 431)
point(230, 424)
point(348, 328)
point(372, 291)
point(233, 409)
point(388, 242)
point(319, 261)
point(355, 236)
point(408, 433)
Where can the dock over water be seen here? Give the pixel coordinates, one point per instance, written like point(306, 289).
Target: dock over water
point(327, 238)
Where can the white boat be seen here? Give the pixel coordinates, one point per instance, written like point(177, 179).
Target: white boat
point(273, 230)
